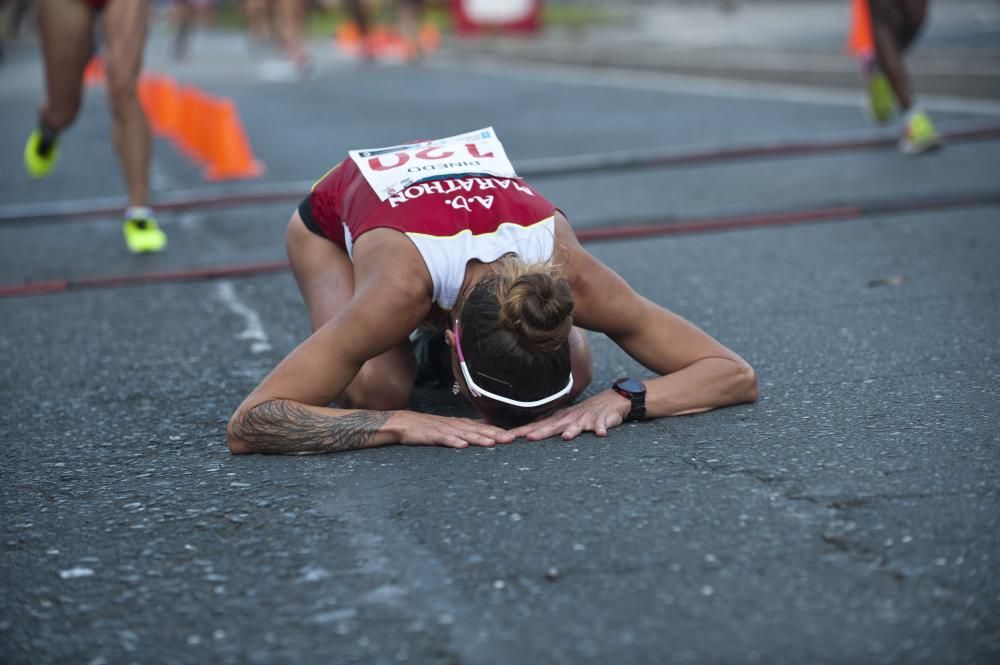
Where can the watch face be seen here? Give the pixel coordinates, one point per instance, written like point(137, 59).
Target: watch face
point(632, 386)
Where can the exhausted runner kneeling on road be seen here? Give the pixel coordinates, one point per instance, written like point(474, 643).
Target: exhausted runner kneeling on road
point(479, 256)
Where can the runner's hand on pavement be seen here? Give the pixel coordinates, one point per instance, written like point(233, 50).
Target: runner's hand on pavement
point(424, 429)
point(597, 414)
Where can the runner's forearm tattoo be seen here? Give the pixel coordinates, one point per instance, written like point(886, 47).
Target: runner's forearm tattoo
point(280, 426)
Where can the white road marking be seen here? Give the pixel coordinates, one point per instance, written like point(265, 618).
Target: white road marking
point(254, 330)
point(614, 77)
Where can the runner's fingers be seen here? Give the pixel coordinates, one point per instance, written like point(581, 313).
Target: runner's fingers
point(477, 433)
point(480, 428)
point(585, 423)
point(478, 439)
point(528, 429)
point(452, 441)
point(547, 429)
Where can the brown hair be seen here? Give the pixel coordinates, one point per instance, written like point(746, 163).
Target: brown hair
point(515, 331)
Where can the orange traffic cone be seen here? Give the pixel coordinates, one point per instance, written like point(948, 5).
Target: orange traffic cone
point(194, 120)
point(158, 96)
point(859, 40)
point(94, 73)
point(207, 126)
point(231, 156)
point(166, 98)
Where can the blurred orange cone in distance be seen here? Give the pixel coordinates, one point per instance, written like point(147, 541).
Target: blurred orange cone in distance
point(430, 37)
point(859, 40)
point(168, 106)
point(189, 119)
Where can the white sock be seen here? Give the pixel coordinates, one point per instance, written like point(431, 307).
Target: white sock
point(138, 212)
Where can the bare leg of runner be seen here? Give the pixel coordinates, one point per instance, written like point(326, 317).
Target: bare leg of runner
point(581, 361)
point(291, 17)
point(358, 13)
point(125, 27)
point(325, 276)
point(66, 30)
point(126, 24)
point(410, 15)
point(895, 25)
point(183, 12)
point(258, 20)
point(888, 30)
point(914, 15)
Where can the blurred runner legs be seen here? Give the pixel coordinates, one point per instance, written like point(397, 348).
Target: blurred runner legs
point(66, 28)
point(290, 16)
point(407, 41)
point(12, 14)
point(257, 13)
point(186, 13)
point(410, 17)
point(895, 26)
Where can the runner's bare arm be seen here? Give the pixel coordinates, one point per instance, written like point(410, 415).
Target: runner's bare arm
point(697, 373)
point(285, 426)
point(287, 412)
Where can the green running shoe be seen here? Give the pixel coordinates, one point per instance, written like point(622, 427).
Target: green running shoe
point(881, 101)
point(143, 236)
point(919, 135)
point(39, 159)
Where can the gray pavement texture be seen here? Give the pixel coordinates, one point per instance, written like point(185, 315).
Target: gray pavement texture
point(852, 515)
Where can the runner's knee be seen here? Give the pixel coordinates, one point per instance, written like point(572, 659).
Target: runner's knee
point(582, 362)
point(376, 391)
point(582, 377)
point(121, 93)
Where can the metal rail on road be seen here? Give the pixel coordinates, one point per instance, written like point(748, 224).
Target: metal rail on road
point(265, 193)
point(596, 234)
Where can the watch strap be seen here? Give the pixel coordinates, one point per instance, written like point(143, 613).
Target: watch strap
point(637, 400)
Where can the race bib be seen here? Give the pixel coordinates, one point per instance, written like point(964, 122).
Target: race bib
point(393, 169)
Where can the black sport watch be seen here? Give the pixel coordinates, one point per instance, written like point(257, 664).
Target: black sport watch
point(635, 392)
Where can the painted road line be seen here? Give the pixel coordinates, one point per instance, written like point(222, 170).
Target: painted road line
point(254, 329)
point(777, 219)
point(549, 167)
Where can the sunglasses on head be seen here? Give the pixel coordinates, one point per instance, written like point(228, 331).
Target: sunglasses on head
point(480, 392)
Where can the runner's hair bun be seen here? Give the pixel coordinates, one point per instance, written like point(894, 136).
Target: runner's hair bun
point(536, 304)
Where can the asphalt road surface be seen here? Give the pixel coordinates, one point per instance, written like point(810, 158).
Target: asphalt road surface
point(852, 515)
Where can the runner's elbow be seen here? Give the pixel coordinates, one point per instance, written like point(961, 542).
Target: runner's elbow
point(237, 446)
point(748, 383)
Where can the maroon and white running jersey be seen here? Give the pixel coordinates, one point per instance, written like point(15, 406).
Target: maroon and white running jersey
point(450, 221)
